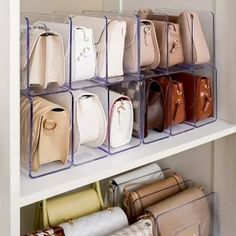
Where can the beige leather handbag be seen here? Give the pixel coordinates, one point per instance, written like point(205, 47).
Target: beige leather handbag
point(196, 50)
point(149, 49)
point(138, 199)
point(51, 129)
point(46, 58)
point(170, 43)
point(184, 214)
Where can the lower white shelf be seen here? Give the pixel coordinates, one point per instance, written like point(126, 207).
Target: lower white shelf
point(33, 190)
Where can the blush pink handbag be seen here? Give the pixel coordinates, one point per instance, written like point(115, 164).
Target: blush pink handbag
point(195, 47)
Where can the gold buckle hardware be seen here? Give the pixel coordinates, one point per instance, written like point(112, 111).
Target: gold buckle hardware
point(179, 92)
point(49, 128)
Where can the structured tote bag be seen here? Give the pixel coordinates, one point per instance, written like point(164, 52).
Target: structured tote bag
point(174, 101)
point(68, 207)
point(195, 47)
point(133, 179)
point(114, 31)
point(141, 228)
point(83, 54)
point(46, 58)
point(154, 107)
point(170, 43)
point(186, 213)
point(120, 115)
point(56, 231)
point(90, 119)
point(51, 128)
point(139, 198)
point(100, 223)
point(199, 96)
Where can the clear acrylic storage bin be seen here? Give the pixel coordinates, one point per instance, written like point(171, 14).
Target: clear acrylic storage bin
point(131, 180)
point(185, 37)
point(190, 212)
point(200, 88)
point(89, 125)
point(116, 41)
point(197, 29)
point(154, 112)
point(45, 53)
point(121, 102)
point(46, 126)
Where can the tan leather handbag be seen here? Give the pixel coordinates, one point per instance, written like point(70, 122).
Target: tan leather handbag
point(149, 49)
point(184, 214)
point(51, 129)
point(170, 43)
point(199, 103)
point(174, 101)
point(195, 47)
point(138, 199)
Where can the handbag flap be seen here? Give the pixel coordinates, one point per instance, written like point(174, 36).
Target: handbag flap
point(89, 113)
point(193, 208)
point(158, 190)
point(73, 206)
point(193, 37)
point(97, 24)
point(40, 108)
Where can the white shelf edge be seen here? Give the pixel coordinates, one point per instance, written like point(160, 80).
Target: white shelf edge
point(33, 190)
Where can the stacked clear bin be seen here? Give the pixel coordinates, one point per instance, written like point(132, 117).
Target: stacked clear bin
point(187, 49)
point(106, 61)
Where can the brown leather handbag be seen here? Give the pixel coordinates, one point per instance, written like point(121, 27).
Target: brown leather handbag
point(154, 111)
point(55, 231)
point(184, 214)
point(198, 94)
point(174, 100)
point(138, 199)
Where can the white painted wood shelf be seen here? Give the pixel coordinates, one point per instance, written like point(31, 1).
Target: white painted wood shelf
point(33, 190)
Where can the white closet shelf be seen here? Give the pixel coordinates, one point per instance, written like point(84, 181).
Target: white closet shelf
point(33, 190)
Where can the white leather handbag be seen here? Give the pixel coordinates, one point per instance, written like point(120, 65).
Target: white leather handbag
point(83, 54)
point(195, 47)
point(141, 228)
point(131, 179)
point(119, 113)
point(90, 120)
point(109, 40)
point(100, 223)
point(46, 57)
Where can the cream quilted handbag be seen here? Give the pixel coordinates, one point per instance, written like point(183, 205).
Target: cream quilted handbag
point(51, 128)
